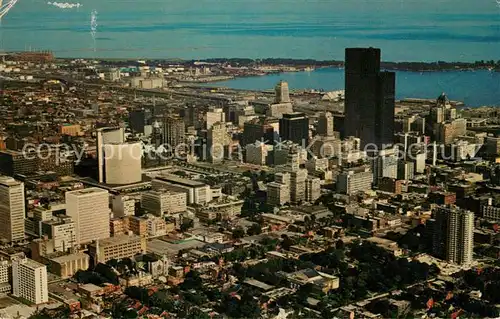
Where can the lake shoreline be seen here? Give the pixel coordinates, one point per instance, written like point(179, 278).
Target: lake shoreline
point(304, 64)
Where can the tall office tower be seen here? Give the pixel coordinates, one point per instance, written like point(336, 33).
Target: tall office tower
point(453, 234)
point(294, 127)
point(257, 153)
point(12, 209)
point(298, 185)
point(122, 163)
point(369, 98)
point(138, 119)
point(278, 194)
point(217, 140)
point(89, 209)
point(406, 170)
point(385, 164)
point(282, 93)
point(215, 115)
point(282, 178)
point(437, 115)
point(173, 132)
point(325, 124)
point(313, 189)
point(105, 136)
point(29, 281)
point(257, 130)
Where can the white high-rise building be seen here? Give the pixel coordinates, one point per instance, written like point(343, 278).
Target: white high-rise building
point(217, 140)
point(105, 136)
point(325, 124)
point(89, 209)
point(122, 163)
point(385, 164)
point(460, 246)
point(12, 209)
point(215, 115)
point(453, 234)
point(278, 194)
point(298, 185)
point(29, 280)
point(282, 93)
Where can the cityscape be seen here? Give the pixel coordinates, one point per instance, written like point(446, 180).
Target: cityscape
point(153, 188)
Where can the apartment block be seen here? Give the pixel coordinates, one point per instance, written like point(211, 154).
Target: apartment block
point(29, 280)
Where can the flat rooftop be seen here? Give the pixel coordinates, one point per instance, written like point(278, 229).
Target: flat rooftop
point(161, 247)
point(31, 263)
point(66, 258)
point(117, 240)
point(8, 181)
point(88, 191)
point(171, 178)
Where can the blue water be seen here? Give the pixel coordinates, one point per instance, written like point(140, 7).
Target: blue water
point(406, 30)
point(474, 88)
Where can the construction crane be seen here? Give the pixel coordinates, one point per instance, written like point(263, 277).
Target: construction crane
point(6, 6)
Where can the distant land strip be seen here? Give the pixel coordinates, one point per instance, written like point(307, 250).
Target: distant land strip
point(302, 63)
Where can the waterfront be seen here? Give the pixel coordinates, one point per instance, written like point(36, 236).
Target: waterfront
point(474, 88)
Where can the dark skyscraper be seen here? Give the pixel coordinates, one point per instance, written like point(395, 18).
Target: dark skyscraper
point(138, 119)
point(369, 97)
point(294, 127)
point(257, 130)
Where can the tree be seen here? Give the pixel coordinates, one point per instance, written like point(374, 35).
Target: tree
point(196, 313)
point(107, 272)
point(113, 263)
point(255, 229)
point(196, 297)
point(192, 281)
point(238, 233)
point(187, 224)
point(287, 242)
point(340, 245)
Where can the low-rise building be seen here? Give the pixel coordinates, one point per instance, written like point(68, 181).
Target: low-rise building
point(123, 205)
point(67, 266)
point(124, 246)
point(138, 226)
point(164, 202)
point(321, 282)
point(157, 226)
point(354, 180)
